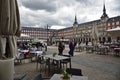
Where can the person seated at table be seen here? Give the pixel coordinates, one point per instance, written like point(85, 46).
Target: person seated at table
point(33, 48)
point(23, 47)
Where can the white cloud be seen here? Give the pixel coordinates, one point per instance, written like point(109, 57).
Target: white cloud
point(57, 27)
point(39, 13)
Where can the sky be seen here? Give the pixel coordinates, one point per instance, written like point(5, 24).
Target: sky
point(61, 13)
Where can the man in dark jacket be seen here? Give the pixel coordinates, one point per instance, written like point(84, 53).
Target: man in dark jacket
point(71, 47)
point(61, 47)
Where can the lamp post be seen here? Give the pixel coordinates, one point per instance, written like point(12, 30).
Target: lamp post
point(47, 28)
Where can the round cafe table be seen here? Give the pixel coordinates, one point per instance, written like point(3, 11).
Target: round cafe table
point(117, 51)
point(37, 53)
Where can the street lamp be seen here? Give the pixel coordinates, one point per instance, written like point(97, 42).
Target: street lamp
point(47, 28)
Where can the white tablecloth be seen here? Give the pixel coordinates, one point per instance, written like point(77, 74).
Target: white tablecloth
point(58, 77)
point(36, 52)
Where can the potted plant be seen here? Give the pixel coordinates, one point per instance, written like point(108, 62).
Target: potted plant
point(44, 52)
point(65, 75)
point(54, 54)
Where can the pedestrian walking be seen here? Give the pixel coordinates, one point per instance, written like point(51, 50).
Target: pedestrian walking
point(61, 47)
point(71, 47)
point(45, 45)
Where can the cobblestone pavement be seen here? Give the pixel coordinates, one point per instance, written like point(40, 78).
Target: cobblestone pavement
point(95, 66)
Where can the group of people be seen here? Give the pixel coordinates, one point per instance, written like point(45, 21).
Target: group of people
point(31, 46)
point(61, 47)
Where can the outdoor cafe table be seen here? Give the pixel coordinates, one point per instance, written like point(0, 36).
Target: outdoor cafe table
point(58, 58)
point(117, 51)
point(23, 51)
point(89, 48)
point(103, 49)
point(73, 77)
point(37, 53)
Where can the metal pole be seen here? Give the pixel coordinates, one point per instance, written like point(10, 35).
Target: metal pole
point(47, 34)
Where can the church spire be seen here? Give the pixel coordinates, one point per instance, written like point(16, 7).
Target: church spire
point(75, 19)
point(104, 11)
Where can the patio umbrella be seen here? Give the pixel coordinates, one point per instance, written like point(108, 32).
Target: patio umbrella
point(9, 27)
point(115, 32)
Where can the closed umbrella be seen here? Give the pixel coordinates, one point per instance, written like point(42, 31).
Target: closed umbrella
point(9, 27)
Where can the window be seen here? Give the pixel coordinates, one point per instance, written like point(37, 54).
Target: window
point(108, 27)
point(117, 23)
point(113, 23)
point(108, 24)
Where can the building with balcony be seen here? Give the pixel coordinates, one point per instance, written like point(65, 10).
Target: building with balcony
point(37, 33)
point(77, 32)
